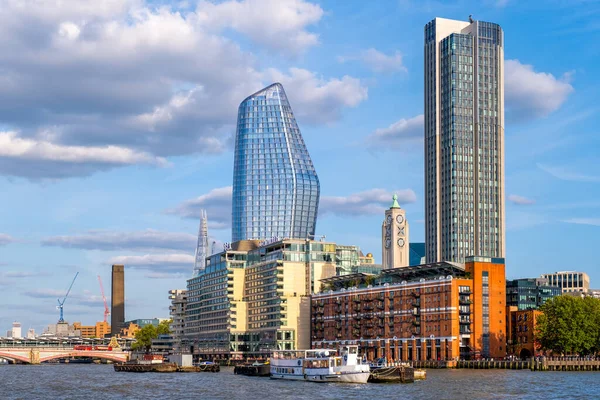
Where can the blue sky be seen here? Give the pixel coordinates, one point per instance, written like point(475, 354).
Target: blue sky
point(116, 124)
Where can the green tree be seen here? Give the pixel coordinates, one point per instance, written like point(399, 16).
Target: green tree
point(570, 325)
point(143, 338)
point(164, 328)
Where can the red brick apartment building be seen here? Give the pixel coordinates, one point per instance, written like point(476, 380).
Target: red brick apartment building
point(436, 311)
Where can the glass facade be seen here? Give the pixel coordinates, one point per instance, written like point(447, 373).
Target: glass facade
point(529, 294)
point(464, 134)
point(275, 185)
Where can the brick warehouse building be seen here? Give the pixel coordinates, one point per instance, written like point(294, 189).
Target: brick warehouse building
point(432, 311)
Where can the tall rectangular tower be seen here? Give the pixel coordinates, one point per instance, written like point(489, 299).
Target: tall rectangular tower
point(464, 140)
point(275, 185)
point(117, 299)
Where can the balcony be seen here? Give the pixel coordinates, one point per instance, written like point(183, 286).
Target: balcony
point(380, 306)
point(465, 292)
point(464, 301)
point(464, 312)
point(416, 303)
point(465, 321)
point(368, 308)
point(416, 323)
point(368, 316)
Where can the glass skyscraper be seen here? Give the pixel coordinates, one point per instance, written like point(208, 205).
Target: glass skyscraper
point(464, 140)
point(275, 185)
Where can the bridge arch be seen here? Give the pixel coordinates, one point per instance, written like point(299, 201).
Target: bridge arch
point(117, 357)
point(14, 356)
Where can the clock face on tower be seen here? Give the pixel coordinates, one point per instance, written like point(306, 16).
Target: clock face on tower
point(400, 219)
point(400, 242)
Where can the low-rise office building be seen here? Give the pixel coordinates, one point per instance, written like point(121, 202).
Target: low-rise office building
point(569, 281)
point(437, 311)
point(99, 330)
point(529, 293)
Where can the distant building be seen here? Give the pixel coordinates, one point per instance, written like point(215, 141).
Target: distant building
point(100, 330)
point(595, 293)
point(129, 330)
point(16, 330)
point(395, 237)
point(117, 299)
point(31, 333)
point(178, 299)
point(520, 327)
point(163, 344)
point(428, 312)
point(275, 186)
point(529, 294)
point(62, 329)
point(146, 321)
point(417, 255)
point(569, 281)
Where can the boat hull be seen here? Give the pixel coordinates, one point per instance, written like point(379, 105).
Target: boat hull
point(356, 377)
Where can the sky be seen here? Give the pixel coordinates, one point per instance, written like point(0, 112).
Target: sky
point(117, 121)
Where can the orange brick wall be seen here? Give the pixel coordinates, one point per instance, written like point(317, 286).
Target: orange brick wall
point(496, 304)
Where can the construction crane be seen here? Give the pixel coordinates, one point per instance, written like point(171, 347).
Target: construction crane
point(106, 310)
point(61, 303)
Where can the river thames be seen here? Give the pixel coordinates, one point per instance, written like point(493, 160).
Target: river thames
point(60, 381)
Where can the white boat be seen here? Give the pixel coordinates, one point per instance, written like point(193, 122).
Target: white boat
point(320, 365)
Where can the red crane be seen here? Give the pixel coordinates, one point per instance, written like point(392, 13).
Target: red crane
point(106, 310)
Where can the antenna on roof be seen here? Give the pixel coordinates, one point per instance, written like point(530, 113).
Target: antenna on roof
point(471, 18)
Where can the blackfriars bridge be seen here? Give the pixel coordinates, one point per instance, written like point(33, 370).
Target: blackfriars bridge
point(36, 351)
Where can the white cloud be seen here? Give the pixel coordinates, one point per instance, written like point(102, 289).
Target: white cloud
point(567, 174)
point(157, 262)
point(315, 99)
point(146, 81)
point(84, 298)
point(520, 200)
point(400, 134)
point(107, 241)
point(369, 202)
point(278, 24)
point(5, 239)
point(583, 221)
point(531, 94)
point(217, 204)
point(12, 146)
point(378, 61)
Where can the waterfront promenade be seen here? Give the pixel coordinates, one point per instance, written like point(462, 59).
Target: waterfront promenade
point(533, 364)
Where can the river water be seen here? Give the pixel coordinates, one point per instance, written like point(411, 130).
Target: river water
point(83, 381)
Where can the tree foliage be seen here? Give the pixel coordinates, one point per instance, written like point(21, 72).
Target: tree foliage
point(570, 325)
point(143, 337)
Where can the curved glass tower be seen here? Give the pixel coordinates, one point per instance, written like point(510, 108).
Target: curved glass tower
point(275, 185)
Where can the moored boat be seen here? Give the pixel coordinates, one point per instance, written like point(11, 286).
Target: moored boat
point(320, 365)
point(254, 369)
